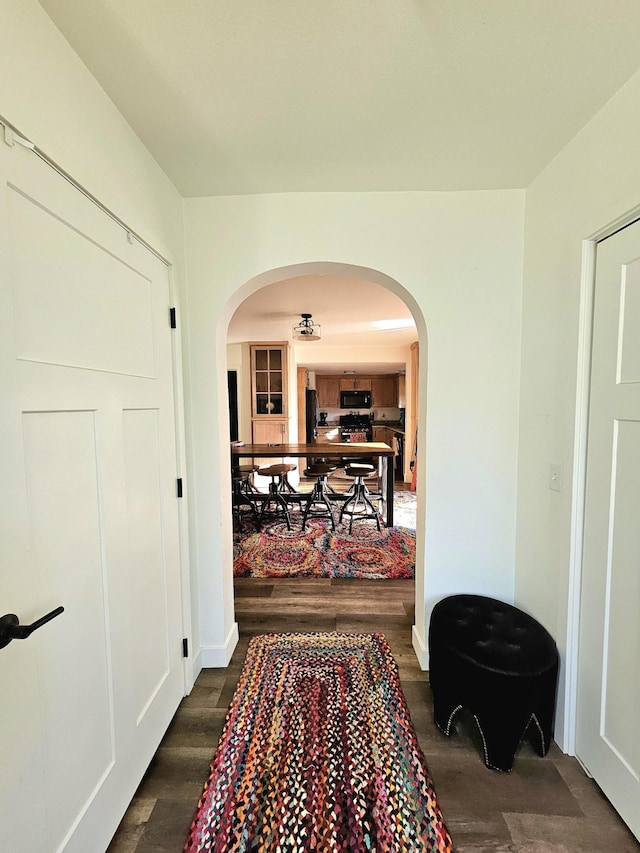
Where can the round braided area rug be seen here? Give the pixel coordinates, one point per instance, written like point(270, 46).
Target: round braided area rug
point(318, 551)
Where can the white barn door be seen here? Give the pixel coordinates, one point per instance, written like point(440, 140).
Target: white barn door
point(607, 739)
point(89, 513)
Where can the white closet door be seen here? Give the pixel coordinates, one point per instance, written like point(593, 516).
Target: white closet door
point(88, 502)
point(608, 678)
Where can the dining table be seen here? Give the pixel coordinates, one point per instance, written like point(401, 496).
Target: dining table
point(338, 450)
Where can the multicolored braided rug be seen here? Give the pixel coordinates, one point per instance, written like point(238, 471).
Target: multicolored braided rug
point(318, 753)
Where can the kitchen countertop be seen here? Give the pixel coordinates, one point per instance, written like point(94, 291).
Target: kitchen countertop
point(393, 425)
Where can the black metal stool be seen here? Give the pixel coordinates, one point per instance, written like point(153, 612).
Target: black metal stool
point(246, 472)
point(319, 505)
point(366, 468)
point(358, 505)
point(242, 500)
point(499, 663)
point(275, 503)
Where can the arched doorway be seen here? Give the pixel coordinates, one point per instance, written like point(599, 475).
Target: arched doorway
point(320, 273)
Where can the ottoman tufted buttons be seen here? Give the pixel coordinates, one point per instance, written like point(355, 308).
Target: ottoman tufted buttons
point(499, 663)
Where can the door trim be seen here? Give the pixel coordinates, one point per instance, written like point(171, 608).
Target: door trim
point(583, 381)
point(583, 376)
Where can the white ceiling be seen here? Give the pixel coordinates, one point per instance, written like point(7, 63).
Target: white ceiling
point(348, 310)
point(252, 96)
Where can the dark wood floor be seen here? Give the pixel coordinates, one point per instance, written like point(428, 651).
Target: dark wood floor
point(545, 805)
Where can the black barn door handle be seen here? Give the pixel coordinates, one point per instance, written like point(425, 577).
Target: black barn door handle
point(11, 629)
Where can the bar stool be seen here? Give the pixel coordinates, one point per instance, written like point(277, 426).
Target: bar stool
point(319, 505)
point(366, 468)
point(241, 503)
point(335, 465)
point(246, 472)
point(358, 505)
point(275, 503)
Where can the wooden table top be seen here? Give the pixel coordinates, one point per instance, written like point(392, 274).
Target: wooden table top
point(328, 450)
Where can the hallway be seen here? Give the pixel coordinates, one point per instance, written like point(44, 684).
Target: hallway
point(545, 805)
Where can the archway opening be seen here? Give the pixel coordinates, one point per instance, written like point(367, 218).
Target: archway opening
point(278, 297)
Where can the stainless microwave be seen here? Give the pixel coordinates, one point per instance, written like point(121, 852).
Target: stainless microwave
point(355, 399)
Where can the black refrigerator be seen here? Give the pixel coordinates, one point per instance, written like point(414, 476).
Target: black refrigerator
point(311, 414)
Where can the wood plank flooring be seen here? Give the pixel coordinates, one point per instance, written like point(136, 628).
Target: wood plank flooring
point(545, 805)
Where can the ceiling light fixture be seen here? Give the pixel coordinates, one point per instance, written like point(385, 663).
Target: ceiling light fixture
point(306, 330)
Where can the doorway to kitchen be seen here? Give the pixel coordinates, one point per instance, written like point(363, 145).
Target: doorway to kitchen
point(368, 332)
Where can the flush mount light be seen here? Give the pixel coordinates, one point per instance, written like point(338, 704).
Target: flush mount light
point(306, 330)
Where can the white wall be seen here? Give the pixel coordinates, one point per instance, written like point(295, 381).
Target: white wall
point(456, 260)
point(593, 182)
point(47, 92)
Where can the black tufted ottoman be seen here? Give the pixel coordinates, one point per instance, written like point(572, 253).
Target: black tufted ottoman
point(500, 664)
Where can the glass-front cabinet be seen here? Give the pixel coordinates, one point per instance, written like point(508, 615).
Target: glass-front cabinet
point(269, 391)
point(269, 380)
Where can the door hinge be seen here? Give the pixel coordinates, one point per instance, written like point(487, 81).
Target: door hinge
point(172, 318)
point(185, 647)
point(179, 487)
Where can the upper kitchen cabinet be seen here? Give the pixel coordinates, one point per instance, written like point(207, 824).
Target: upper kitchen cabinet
point(328, 390)
point(269, 403)
point(355, 383)
point(383, 387)
point(384, 390)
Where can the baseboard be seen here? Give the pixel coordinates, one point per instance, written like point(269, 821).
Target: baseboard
point(194, 671)
point(420, 648)
point(216, 657)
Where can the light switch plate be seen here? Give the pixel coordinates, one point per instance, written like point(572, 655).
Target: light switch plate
point(555, 477)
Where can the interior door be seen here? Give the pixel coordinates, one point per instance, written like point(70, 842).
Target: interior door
point(88, 504)
point(608, 682)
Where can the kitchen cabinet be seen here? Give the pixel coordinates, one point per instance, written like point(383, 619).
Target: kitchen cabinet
point(394, 438)
point(383, 387)
point(269, 403)
point(269, 379)
point(272, 431)
point(355, 383)
point(384, 434)
point(325, 435)
point(328, 391)
point(384, 390)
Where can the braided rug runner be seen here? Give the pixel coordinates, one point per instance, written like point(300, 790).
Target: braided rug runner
point(318, 753)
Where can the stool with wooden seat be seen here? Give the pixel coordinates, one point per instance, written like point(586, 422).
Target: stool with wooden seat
point(319, 504)
point(275, 503)
point(242, 499)
point(365, 467)
point(246, 472)
point(358, 505)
